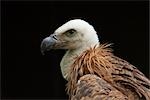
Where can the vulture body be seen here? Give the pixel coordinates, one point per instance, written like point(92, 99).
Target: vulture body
point(93, 72)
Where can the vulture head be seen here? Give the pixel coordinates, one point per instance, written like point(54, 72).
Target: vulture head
point(75, 36)
point(72, 35)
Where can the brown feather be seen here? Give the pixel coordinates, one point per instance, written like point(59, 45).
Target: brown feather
point(92, 87)
point(117, 72)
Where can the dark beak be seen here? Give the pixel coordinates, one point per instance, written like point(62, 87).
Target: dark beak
point(48, 43)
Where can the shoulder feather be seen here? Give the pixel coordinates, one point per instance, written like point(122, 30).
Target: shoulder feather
point(115, 71)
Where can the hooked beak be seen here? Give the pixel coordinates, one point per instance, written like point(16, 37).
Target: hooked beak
point(48, 43)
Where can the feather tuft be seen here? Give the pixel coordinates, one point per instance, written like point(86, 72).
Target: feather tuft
point(119, 73)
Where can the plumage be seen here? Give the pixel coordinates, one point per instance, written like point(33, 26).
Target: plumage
point(101, 62)
point(92, 70)
point(92, 87)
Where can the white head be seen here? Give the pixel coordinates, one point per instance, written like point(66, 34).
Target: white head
point(77, 33)
point(72, 35)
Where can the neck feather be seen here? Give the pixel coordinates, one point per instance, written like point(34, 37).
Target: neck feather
point(69, 56)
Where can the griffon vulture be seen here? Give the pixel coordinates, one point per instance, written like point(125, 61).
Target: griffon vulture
point(93, 72)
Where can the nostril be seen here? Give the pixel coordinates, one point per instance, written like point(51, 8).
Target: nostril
point(54, 36)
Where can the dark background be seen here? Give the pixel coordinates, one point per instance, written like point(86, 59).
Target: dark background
point(28, 74)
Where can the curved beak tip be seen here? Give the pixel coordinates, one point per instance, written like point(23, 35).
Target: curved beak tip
point(47, 44)
point(43, 47)
point(42, 52)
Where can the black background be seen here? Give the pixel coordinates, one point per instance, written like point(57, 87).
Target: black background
point(28, 74)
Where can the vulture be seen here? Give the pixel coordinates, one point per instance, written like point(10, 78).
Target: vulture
point(92, 70)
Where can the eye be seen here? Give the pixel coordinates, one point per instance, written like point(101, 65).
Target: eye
point(70, 32)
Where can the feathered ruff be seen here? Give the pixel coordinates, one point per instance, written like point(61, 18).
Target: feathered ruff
point(118, 73)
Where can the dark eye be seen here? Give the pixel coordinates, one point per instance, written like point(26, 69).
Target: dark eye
point(70, 32)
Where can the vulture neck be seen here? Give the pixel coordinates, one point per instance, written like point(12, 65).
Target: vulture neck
point(69, 56)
